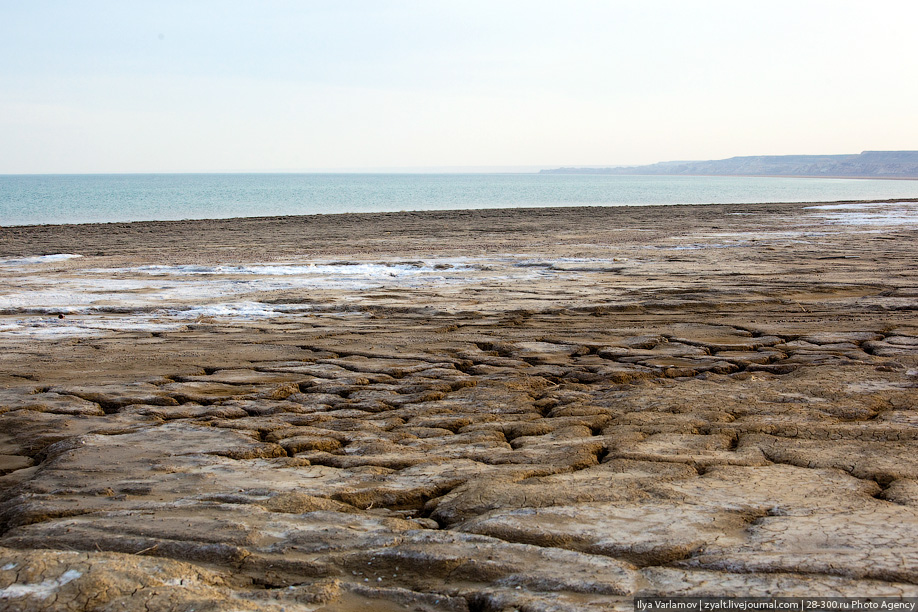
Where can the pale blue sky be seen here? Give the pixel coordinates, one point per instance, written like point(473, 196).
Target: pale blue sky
point(162, 86)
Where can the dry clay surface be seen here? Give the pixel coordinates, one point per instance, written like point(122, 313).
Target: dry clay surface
point(680, 401)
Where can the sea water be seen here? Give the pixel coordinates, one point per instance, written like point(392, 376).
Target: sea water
point(54, 199)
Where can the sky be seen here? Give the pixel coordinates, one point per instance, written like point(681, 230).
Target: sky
point(228, 86)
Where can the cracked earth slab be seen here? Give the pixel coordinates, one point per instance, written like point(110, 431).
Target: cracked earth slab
point(588, 412)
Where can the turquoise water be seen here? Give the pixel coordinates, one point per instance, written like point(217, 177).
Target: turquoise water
point(52, 199)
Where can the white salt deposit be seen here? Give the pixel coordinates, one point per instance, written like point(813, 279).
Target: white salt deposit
point(242, 310)
point(38, 259)
point(873, 214)
point(162, 287)
point(49, 328)
point(40, 590)
point(364, 270)
point(94, 301)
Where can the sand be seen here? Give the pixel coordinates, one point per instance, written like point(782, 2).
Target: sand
point(534, 409)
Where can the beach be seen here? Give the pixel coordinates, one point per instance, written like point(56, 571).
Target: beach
point(518, 409)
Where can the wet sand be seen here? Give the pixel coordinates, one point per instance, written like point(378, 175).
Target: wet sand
point(535, 409)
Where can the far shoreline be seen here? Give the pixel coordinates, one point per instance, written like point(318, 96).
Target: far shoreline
point(783, 176)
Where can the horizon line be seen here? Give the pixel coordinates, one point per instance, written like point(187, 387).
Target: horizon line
point(518, 169)
point(446, 169)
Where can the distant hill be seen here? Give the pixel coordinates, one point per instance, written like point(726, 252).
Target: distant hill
point(869, 164)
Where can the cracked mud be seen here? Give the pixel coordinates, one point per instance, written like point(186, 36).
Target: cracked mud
point(578, 406)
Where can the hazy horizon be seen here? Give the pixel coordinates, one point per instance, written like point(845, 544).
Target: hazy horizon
point(356, 86)
point(390, 170)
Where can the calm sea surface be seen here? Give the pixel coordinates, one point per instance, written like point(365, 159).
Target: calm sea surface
point(40, 199)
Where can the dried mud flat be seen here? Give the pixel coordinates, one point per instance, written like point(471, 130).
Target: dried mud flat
point(601, 404)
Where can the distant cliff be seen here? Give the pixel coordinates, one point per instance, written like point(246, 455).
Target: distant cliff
point(879, 164)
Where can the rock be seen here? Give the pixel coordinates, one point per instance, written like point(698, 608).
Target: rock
point(186, 411)
point(696, 450)
point(114, 396)
point(882, 462)
point(830, 542)
point(855, 337)
point(247, 377)
point(42, 580)
point(209, 392)
point(11, 463)
point(644, 533)
point(54, 403)
point(891, 349)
